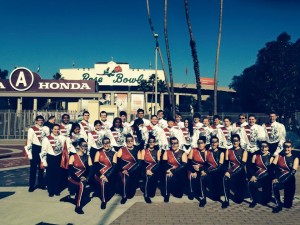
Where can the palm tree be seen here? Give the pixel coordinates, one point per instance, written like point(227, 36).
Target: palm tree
point(195, 57)
point(217, 59)
point(159, 51)
point(169, 60)
point(3, 74)
point(144, 87)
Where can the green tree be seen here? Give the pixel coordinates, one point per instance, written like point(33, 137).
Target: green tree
point(144, 87)
point(272, 83)
point(58, 76)
point(3, 74)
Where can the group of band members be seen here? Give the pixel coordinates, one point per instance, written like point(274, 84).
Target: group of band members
point(189, 156)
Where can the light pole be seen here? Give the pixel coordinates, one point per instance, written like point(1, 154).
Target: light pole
point(156, 51)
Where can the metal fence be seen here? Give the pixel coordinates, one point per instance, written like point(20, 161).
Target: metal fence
point(14, 125)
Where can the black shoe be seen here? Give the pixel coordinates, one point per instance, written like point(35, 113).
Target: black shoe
point(123, 200)
point(57, 194)
point(166, 198)
point(103, 205)
point(66, 199)
point(202, 203)
point(252, 204)
point(191, 196)
point(51, 195)
point(225, 205)
point(277, 209)
point(42, 187)
point(79, 210)
point(148, 200)
point(31, 189)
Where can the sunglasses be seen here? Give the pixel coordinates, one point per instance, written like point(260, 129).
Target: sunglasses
point(287, 146)
point(242, 118)
point(106, 143)
point(264, 146)
point(235, 140)
point(174, 143)
point(84, 146)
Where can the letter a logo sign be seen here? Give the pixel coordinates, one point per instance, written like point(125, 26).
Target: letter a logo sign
point(21, 79)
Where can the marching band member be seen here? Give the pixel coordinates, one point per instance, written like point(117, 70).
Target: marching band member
point(238, 125)
point(118, 132)
point(161, 121)
point(196, 172)
point(217, 122)
point(215, 157)
point(48, 125)
point(32, 150)
point(261, 175)
point(103, 119)
point(174, 161)
point(129, 161)
point(74, 137)
point(65, 125)
point(235, 175)
point(155, 130)
point(196, 118)
point(190, 134)
point(286, 168)
point(85, 126)
point(95, 138)
point(123, 116)
point(172, 131)
point(80, 171)
point(178, 119)
point(140, 115)
point(251, 135)
point(140, 133)
point(151, 157)
point(105, 167)
point(206, 131)
point(275, 133)
point(225, 135)
point(51, 156)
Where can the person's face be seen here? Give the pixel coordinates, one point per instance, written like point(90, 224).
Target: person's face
point(216, 121)
point(196, 120)
point(66, 119)
point(40, 122)
point(186, 123)
point(55, 130)
point(288, 148)
point(201, 144)
point(52, 120)
point(170, 124)
point(264, 148)
point(103, 116)
point(215, 143)
point(118, 123)
point(106, 144)
point(160, 115)
point(140, 115)
point(236, 142)
point(205, 122)
point(86, 117)
point(174, 145)
point(151, 143)
point(242, 119)
point(273, 117)
point(252, 120)
point(77, 130)
point(98, 126)
point(227, 122)
point(154, 120)
point(83, 147)
point(123, 118)
point(178, 118)
point(129, 142)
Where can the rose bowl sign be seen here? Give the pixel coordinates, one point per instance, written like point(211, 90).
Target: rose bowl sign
point(22, 79)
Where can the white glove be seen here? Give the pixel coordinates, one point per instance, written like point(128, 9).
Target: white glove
point(29, 155)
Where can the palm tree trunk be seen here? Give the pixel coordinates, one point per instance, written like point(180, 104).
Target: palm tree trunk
point(195, 57)
point(217, 60)
point(159, 52)
point(169, 60)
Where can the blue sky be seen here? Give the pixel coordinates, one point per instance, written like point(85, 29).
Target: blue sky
point(54, 34)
